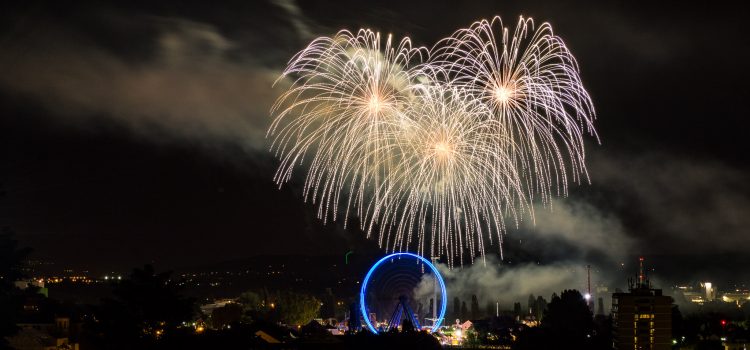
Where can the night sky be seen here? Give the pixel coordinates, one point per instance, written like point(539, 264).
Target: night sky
point(136, 133)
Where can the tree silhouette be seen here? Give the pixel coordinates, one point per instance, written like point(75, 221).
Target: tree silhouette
point(224, 316)
point(568, 320)
point(474, 307)
point(297, 308)
point(569, 316)
point(517, 309)
point(144, 307)
point(253, 306)
point(11, 263)
point(541, 307)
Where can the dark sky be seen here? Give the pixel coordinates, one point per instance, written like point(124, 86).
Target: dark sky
point(135, 133)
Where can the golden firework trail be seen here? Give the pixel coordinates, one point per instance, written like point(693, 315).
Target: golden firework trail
point(434, 148)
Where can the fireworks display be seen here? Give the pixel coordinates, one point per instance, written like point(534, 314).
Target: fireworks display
point(438, 148)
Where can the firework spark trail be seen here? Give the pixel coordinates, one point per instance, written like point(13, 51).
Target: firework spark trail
point(452, 173)
point(532, 83)
point(346, 92)
point(444, 145)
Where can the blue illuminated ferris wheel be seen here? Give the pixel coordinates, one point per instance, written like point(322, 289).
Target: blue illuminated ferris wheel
point(402, 309)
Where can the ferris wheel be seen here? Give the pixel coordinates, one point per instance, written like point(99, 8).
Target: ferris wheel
point(395, 286)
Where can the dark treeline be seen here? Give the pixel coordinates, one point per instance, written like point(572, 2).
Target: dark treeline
point(149, 310)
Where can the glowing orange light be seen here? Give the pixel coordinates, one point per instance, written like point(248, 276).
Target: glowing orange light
point(503, 94)
point(443, 148)
point(375, 104)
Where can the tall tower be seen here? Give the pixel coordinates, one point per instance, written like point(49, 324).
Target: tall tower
point(435, 260)
point(642, 318)
point(641, 273)
point(588, 279)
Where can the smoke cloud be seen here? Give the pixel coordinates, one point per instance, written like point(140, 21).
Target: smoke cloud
point(566, 237)
point(686, 206)
point(577, 229)
point(195, 85)
point(508, 283)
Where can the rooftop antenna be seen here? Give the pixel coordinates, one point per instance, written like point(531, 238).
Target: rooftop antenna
point(642, 280)
point(641, 273)
point(588, 278)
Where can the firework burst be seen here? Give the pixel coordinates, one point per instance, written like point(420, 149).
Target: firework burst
point(348, 92)
point(531, 82)
point(440, 147)
point(453, 178)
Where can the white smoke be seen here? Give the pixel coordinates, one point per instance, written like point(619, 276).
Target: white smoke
point(193, 88)
point(570, 223)
point(582, 225)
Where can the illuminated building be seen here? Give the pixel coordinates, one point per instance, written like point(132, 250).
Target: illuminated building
point(33, 283)
point(642, 318)
point(710, 290)
point(737, 296)
point(691, 295)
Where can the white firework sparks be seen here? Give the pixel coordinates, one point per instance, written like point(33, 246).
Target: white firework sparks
point(348, 91)
point(442, 151)
point(453, 178)
point(531, 82)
